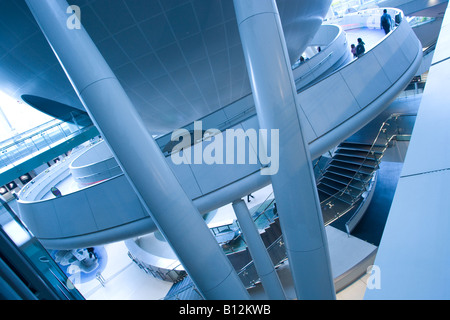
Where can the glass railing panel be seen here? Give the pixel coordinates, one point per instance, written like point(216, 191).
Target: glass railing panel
point(405, 124)
point(3, 161)
point(28, 144)
point(277, 252)
point(214, 120)
point(5, 156)
point(221, 119)
point(190, 292)
point(417, 21)
point(39, 141)
point(265, 213)
point(249, 275)
point(53, 135)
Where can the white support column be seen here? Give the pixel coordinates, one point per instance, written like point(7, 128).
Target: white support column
point(261, 259)
point(138, 154)
point(294, 185)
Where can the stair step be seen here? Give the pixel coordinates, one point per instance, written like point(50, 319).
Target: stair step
point(359, 154)
point(378, 148)
point(357, 184)
point(322, 195)
point(333, 208)
point(336, 194)
point(340, 187)
point(365, 178)
point(332, 184)
point(358, 161)
point(181, 290)
point(355, 168)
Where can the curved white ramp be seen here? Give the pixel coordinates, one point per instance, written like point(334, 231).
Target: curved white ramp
point(330, 111)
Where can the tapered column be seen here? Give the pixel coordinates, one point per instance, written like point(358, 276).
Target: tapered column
point(137, 153)
point(294, 185)
point(261, 259)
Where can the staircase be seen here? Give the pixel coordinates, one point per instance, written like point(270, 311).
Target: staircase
point(347, 176)
point(341, 184)
point(183, 290)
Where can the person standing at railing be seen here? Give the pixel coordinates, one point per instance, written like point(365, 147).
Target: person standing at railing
point(302, 60)
point(386, 22)
point(55, 191)
point(360, 49)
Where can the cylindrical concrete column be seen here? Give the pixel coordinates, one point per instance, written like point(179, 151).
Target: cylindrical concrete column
point(137, 153)
point(261, 259)
point(294, 184)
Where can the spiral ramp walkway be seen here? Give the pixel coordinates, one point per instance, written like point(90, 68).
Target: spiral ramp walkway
point(336, 98)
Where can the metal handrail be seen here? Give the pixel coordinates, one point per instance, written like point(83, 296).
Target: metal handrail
point(307, 73)
point(22, 146)
point(228, 123)
point(256, 218)
point(184, 289)
point(40, 129)
point(263, 212)
point(278, 242)
point(342, 191)
point(371, 152)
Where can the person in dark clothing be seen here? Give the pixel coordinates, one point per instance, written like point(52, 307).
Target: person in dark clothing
point(302, 60)
point(55, 191)
point(386, 22)
point(360, 49)
point(91, 252)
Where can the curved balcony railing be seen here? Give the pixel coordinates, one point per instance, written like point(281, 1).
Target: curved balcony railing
point(330, 111)
point(35, 140)
point(334, 54)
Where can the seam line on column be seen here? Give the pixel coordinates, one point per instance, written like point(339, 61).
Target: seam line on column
point(311, 250)
point(256, 14)
point(94, 82)
point(224, 279)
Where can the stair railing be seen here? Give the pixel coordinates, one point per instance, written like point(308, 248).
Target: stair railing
point(176, 295)
point(277, 253)
point(382, 130)
point(266, 207)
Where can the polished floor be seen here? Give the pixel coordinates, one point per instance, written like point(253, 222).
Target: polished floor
point(369, 36)
point(124, 280)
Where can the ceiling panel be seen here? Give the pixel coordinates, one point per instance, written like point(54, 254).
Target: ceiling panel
point(177, 59)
